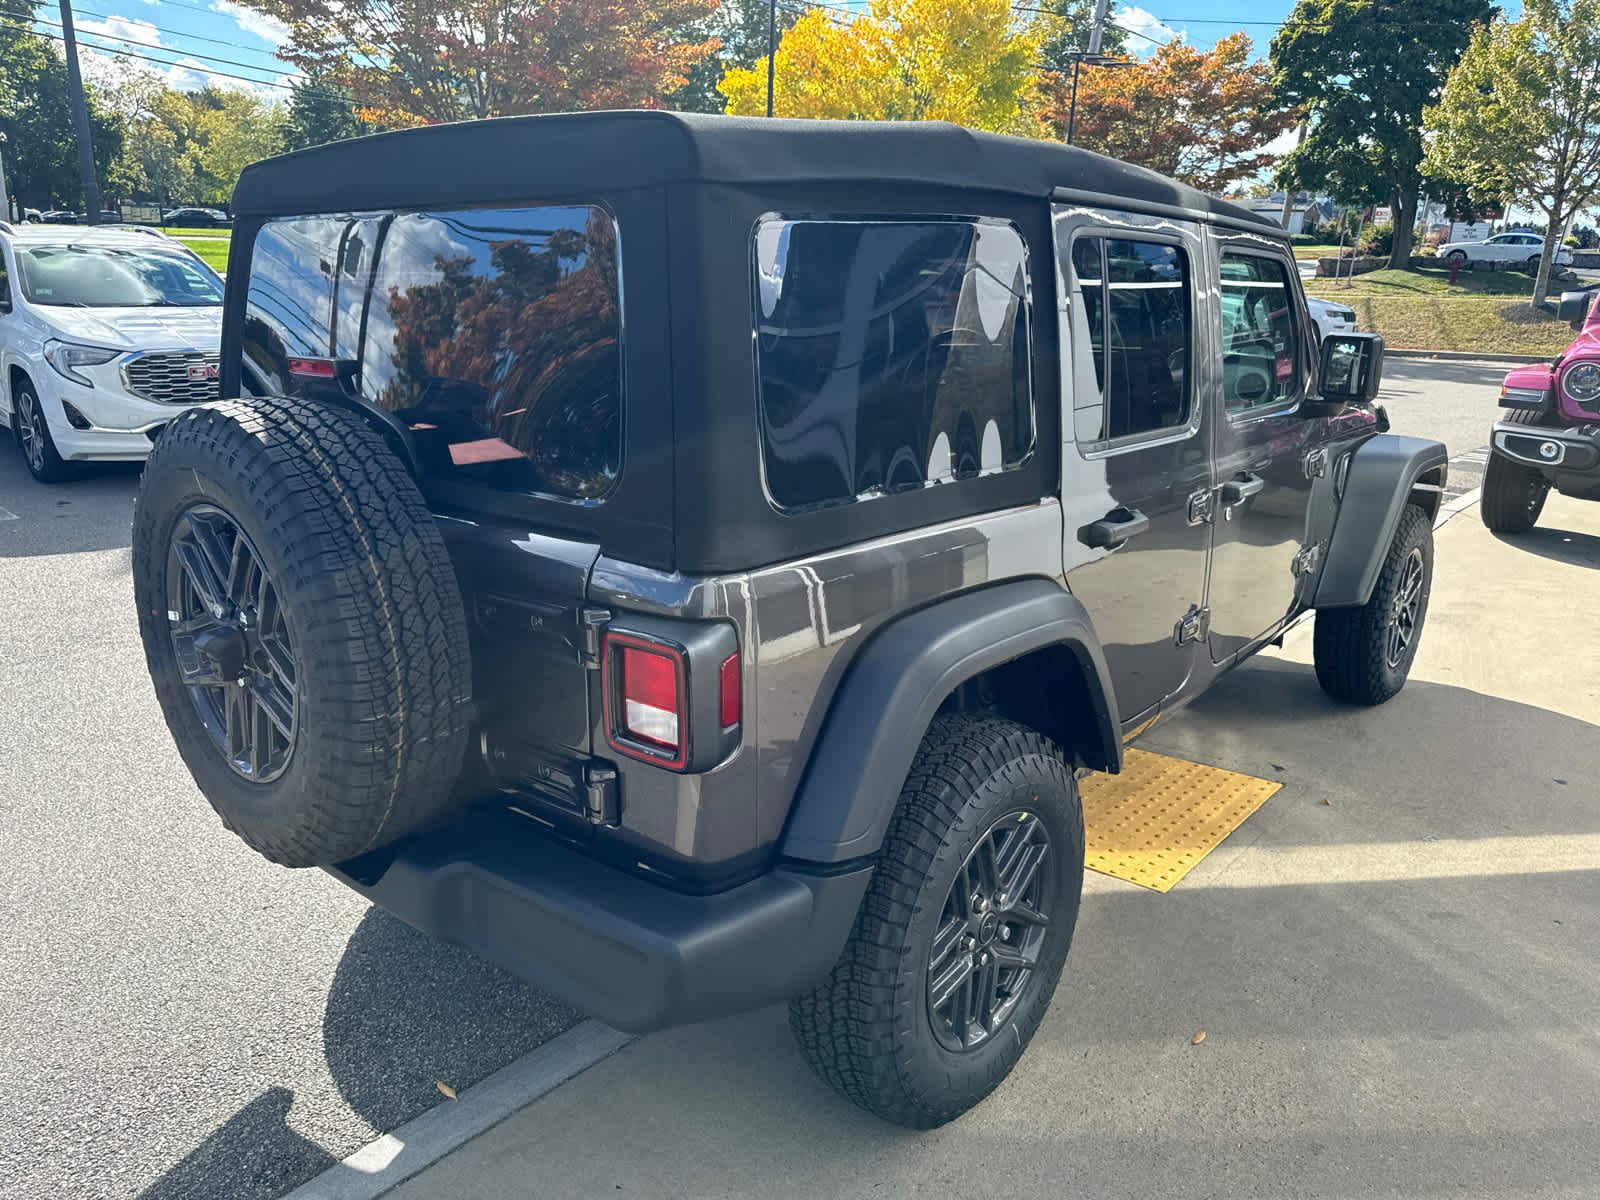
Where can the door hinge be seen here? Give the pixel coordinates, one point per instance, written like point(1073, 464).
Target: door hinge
point(1315, 463)
point(1193, 626)
point(1200, 507)
point(601, 795)
point(592, 624)
point(1305, 562)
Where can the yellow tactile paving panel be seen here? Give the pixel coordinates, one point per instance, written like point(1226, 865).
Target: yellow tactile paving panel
point(1152, 823)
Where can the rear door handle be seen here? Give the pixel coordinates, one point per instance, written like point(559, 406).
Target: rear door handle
point(1116, 527)
point(1241, 487)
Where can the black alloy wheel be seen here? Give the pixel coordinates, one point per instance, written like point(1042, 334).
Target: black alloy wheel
point(990, 933)
point(232, 643)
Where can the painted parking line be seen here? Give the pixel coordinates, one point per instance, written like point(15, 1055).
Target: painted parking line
point(419, 1143)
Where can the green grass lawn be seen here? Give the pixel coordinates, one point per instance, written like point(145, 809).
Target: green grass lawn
point(214, 253)
point(1483, 312)
point(197, 233)
point(1325, 250)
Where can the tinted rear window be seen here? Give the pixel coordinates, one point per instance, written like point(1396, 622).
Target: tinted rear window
point(892, 355)
point(494, 335)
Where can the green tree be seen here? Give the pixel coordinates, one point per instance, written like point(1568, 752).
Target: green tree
point(321, 110)
point(41, 156)
point(740, 29)
point(231, 131)
point(1520, 116)
point(1063, 28)
point(1364, 70)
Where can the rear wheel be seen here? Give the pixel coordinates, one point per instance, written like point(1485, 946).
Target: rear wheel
point(962, 935)
point(302, 626)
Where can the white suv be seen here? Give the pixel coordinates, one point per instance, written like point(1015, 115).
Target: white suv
point(105, 336)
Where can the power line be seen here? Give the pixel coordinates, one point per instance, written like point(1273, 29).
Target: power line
point(175, 33)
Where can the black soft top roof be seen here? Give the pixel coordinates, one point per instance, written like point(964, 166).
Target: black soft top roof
point(579, 154)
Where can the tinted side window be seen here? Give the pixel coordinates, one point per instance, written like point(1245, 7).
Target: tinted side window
point(1260, 339)
point(891, 355)
point(1137, 310)
point(5, 283)
point(494, 335)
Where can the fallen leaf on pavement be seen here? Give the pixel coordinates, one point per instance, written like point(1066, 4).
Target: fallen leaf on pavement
point(450, 1092)
point(1194, 1041)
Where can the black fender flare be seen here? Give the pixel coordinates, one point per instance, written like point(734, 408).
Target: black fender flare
point(893, 689)
point(1383, 471)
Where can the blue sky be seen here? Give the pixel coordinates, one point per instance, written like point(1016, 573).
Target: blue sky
point(193, 42)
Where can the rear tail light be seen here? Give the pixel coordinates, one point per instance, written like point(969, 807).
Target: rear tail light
point(673, 692)
point(313, 368)
point(652, 698)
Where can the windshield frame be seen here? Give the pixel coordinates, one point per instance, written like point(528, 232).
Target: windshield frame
point(25, 283)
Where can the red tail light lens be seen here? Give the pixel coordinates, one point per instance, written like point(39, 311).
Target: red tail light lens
point(651, 701)
point(312, 368)
point(732, 701)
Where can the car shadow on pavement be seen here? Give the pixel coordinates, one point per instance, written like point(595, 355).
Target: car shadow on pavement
point(1560, 545)
point(404, 1013)
point(255, 1154)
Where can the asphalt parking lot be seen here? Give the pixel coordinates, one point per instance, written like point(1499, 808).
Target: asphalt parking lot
point(1393, 959)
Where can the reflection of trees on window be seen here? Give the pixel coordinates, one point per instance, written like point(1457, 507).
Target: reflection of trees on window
point(511, 363)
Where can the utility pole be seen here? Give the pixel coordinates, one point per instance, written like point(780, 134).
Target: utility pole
point(772, 49)
point(80, 117)
point(1098, 31)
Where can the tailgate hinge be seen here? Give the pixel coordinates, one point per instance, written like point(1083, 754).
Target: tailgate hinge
point(592, 624)
point(1193, 626)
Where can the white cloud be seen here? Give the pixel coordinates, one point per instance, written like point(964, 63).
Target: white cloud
point(268, 29)
point(187, 75)
point(121, 29)
point(1146, 25)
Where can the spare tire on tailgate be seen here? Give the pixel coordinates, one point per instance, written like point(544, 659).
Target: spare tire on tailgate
point(303, 627)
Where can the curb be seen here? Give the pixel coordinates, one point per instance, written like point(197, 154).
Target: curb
point(1468, 356)
point(395, 1157)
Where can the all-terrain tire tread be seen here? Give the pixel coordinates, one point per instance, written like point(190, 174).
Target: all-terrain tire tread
point(382, 631)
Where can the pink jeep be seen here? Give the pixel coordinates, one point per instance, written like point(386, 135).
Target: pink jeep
point(1552, 436)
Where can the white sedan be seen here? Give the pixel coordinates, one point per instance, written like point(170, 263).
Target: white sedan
point(1330, 318)
point(1504, 247)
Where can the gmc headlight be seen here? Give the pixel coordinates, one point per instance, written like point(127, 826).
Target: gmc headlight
point(66, 357)
point(1581, 384)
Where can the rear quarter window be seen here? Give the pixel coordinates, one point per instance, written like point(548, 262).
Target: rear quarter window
point(890, 356)
point(494, 335)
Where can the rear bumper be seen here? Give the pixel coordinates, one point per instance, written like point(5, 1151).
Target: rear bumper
point(631, 952)
point(1574, 450)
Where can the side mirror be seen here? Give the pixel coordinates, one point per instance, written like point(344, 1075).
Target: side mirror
point(1352, 368)
point(1574, 307)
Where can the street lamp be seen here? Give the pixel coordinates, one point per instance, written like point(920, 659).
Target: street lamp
point(1083, 58)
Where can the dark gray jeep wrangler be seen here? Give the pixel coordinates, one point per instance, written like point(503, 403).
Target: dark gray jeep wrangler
point(690, 561)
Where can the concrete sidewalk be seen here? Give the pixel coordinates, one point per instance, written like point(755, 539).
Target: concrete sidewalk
point(1393, 960)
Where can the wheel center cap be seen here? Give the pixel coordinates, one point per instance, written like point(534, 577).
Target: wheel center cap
point(224, 646)
point(988, 928)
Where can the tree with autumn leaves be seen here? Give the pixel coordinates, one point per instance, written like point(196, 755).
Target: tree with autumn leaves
point(415, 62)
point(1201, 116)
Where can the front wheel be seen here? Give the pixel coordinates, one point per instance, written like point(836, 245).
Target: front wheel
point(33, 436)
point(1513, 496)
point(1459, 257)
point(1363, 655)
point(962, 935)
